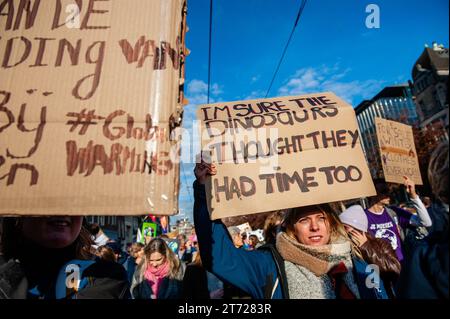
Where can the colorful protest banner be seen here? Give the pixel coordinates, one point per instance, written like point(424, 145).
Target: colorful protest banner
point(397, 151)
point(173, 245)
point(149, 230)
point(282, 152)
point(89, 96)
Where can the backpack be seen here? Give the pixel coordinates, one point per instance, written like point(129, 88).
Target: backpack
point(270, 286)
point(394, 217)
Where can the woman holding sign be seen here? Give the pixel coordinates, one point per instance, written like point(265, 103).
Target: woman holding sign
point(392, 223)
point(312, 258)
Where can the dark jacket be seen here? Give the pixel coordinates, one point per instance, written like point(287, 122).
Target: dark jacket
point(13, 283)
point(104, 280)
point(425, 272)
point(195, 283)
point(130, 267)
point(169, 289)
point(439, 217)
point(255, 272)
point(97, 280)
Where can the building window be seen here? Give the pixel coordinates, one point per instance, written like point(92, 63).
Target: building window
point(378, 105)
point(372, 114)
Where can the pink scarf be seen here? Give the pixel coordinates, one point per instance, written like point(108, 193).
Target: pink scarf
point(156, 275)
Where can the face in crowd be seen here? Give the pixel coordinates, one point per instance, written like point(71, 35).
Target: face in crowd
point(312, 227)
point(139, 256)
point(156, 259)
point(253, 240)
point(52, 232)
point(237, 240)
point(384, 199)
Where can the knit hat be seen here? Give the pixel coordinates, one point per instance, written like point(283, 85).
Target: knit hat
point(355, 217)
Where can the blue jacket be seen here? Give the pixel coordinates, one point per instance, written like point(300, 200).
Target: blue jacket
point(256, 271)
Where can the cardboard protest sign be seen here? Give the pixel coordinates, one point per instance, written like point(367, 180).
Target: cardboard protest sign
point(89, 96)
point(244, 228)
point(282, 152)
point(397, 151)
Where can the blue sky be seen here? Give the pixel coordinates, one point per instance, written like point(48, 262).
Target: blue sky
point(331, 50)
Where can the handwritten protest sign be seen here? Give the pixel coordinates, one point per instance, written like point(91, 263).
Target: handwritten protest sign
point(397, 151)
point(282, 152)
point(89, 96)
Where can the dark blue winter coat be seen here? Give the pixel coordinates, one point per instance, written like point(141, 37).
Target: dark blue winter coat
point(169, 289)
point(425, 271)
point(256, 271)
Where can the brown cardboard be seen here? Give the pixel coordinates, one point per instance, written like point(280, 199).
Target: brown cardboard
point(121, 76)
point(258, 184)
point(397, 151)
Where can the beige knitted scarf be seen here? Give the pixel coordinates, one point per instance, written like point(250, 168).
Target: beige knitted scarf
point(317, 259)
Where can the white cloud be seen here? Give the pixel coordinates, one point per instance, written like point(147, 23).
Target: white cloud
point(199, 89)
point(255, 95)
point(197, 86)
point(196, 94)
point(216, 89)
point(255, 78)
point(324, 78)
point(195, 99)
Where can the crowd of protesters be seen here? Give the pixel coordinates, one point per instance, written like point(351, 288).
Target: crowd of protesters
point(326, 251)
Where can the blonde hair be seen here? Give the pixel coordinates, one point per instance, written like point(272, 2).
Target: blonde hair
point(135, 249)
point(159, 245)
point(197, 260)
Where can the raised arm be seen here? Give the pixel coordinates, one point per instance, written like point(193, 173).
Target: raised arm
point(422, 218)
point(247, 270)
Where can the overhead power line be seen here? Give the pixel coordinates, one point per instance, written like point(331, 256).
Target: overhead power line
point(300, 11)
point(209, 49)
